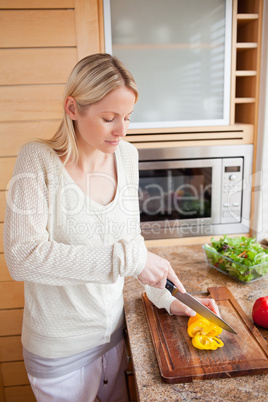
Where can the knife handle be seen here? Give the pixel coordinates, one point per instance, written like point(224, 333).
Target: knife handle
point(171, 287)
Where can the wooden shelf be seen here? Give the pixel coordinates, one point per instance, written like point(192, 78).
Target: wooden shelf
point(246, 73)
point(246, 45)
point(245, 100)
point(246, 18)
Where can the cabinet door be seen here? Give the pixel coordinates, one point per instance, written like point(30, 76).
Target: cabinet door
point(180, 55)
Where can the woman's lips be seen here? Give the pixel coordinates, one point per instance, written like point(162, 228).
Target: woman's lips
point(113, 142)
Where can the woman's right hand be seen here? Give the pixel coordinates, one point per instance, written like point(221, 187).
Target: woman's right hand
point(156, 272)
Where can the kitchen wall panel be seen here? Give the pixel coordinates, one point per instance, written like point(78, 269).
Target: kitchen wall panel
point(6, 169)
point(10, 348)
point(14, 374)
point(4, 272)
point(1, 240)
point(36, 4)
point(19, 394)
point(33, 66)
point(2, 205)
point(11, 294)
point(32, 102)
point(40, 42)
point(37, 28)
point(11, 322)
point(16, 133)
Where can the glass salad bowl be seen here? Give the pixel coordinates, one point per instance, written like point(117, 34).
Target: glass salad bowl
point(240, 258)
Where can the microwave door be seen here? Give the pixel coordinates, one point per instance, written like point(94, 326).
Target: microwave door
point(176, 192)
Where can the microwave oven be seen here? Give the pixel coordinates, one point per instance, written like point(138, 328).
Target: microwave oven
point(195, 191)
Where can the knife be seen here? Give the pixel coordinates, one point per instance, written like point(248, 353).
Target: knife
point(198, 307)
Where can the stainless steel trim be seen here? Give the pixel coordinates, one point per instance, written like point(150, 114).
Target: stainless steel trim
point(177, 153)
point(152, 230)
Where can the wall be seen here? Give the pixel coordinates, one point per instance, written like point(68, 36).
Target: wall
point(40, 42)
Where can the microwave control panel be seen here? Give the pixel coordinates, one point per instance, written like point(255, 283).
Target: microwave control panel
point(232, 185)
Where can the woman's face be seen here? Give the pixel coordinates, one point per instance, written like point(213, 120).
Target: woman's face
point(102, 125)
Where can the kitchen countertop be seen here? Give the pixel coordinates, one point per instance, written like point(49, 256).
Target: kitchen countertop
point(189, 264)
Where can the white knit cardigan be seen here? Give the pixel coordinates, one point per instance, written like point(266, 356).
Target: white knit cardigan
point(71, 252)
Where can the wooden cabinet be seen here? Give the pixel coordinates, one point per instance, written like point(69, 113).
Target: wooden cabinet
point(247, 31)
point(180, 55)
point(129, 372)
point(244, 84)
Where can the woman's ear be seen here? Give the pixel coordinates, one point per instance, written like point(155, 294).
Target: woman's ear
point(70, 107)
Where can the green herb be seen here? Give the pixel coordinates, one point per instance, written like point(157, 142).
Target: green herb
point(240, 257)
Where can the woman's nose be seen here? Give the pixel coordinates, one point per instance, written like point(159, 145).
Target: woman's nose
point(120, 129)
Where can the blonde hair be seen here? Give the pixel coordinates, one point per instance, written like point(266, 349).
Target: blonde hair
point(90, 80)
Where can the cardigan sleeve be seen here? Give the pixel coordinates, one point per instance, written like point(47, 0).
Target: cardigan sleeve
point(161, 298)
point(29, 253)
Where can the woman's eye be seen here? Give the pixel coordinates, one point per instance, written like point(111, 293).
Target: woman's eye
point(108, 120)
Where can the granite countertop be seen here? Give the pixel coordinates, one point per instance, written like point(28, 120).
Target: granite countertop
point(189, 263)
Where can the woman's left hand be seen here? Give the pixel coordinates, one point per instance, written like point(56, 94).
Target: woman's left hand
point(178, 308)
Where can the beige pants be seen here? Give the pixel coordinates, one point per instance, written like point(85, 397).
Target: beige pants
point(102, 380)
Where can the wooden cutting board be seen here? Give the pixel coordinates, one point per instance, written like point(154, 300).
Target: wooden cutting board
point(243, 354)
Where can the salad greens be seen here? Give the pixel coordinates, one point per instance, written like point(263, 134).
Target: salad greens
point(240, 257)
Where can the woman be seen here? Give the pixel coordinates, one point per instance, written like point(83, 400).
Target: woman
point(72, 234)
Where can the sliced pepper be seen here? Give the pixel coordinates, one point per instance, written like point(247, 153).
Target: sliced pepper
point(205, 342)
point(199, 326)
point(204, 333)
point(194, 318)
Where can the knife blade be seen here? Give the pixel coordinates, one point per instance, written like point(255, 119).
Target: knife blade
point(198, 307)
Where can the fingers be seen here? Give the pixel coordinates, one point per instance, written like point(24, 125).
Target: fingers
point(161, 283)
point(178, 308)
point(173, 277)
point(156, 272)
point(211, 304)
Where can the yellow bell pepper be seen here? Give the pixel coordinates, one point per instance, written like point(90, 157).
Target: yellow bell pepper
point(204, 333)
